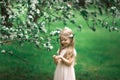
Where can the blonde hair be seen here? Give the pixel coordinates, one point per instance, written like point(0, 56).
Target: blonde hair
point(67, 32)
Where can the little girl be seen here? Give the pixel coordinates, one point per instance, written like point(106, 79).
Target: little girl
point(65, 59)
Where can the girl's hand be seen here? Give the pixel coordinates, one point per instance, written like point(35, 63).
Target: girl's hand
point(55, 57)
point(59, 60)
point(60, 57)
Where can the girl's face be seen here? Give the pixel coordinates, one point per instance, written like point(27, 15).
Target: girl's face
point(65, 41)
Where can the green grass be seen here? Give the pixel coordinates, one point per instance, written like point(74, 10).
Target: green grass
point(98, 56)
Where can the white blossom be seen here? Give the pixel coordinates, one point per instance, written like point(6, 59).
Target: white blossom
point(41, 38)
point(37, 42)
point(38, 11)
point(21, 34)
point(3, 51)
point(26, 36)
point(50, 47)
point(30, 16)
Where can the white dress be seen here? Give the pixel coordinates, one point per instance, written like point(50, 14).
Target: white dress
point(64, 72)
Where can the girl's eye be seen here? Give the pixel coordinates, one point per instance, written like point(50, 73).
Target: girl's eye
point(64, 40)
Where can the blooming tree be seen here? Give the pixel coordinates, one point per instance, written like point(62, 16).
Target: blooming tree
point(29, 20)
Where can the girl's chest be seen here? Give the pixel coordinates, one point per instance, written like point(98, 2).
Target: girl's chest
point(63, 52)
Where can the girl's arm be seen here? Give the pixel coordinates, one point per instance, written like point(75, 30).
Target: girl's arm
point(67, 61)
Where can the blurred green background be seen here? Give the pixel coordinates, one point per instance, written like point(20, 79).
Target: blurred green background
point(98, 57)
point(98, 54)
